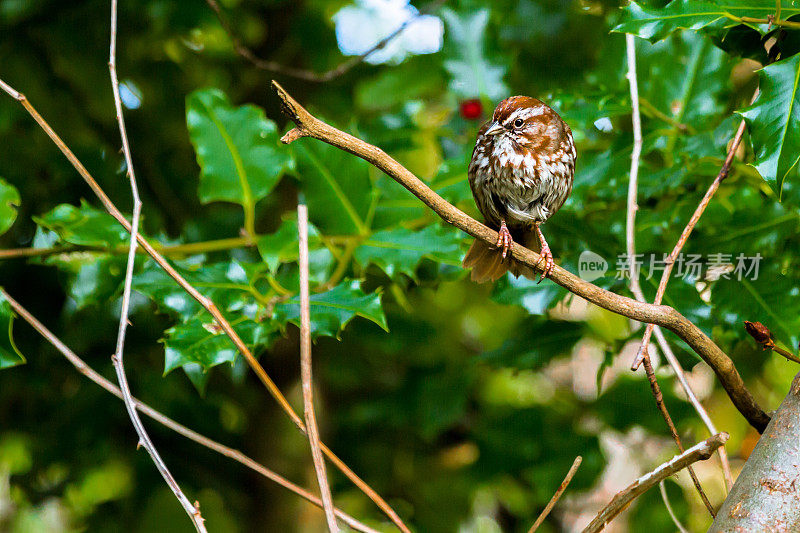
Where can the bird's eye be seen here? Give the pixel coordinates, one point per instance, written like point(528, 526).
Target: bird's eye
point(518, 123)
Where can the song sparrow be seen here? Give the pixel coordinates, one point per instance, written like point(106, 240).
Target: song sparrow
point(520, 174)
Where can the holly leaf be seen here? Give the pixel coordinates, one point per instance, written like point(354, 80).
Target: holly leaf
point(9, 354)
point(237, 149)
point(200, 344)
point(332, 310)
point(230, 284)
point(9, 201)
point(83, 226)
point(400, 250)
point(774, 122)
point(654, 23)
point(472, 73)
point(91, 278)
point(337, 188)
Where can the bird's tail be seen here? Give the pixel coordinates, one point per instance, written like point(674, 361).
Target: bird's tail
point(487, 262)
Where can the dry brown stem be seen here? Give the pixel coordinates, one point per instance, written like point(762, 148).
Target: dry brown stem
point(306, 376)
point(557, 495)
point(695, 218)
point(630, 246)
point(193, 511)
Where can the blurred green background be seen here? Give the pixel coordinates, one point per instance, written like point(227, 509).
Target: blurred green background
point(468, 412)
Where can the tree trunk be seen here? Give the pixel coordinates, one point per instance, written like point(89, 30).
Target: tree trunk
point(766, 496)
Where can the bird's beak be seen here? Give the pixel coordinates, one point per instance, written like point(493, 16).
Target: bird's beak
point(494, 129)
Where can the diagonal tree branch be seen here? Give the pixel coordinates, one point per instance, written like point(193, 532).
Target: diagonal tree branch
point(665, 316)
point(81, 366)
point(207, 304)
point(306, 370)
point(622, 499)
point(144, 439)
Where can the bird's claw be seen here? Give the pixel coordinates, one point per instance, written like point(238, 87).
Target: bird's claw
point(547, 256)
point(504, 239)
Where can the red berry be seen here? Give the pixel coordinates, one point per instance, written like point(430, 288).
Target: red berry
point(471, 109)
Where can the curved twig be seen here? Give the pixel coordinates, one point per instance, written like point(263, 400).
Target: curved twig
point(144, 439)
point(665, 498)
point(622, 499)
point(695, 218)
point(662, 315)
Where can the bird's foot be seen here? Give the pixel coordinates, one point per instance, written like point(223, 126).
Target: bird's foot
point(504, 239)
point(545, 255)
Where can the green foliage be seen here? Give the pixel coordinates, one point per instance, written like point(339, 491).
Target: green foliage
point(84, 226)
point(400, 251)
point(337, 187)
point(91, 278)
point(9, 354)
point(230, 285)
point(774, 121)
point(199, 344)
point(543, 342)
point(486, 393)
point(655, 23)
point(472, 73)
point(333, 309)
point(237, 149)
point(9, 201)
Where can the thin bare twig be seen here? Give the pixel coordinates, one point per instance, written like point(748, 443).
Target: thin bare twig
point(81, 366)
point(669, 355)
point(171, 250)
point(695, 218)
point(312, 431)
point(303, 74)
point(622, 499)
point(310, 126)
point(665, 498)
point(651, 377)
point(633, 180)
point(557, 496)
point(207, 304)
point(144, 439)
point(630, 243)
